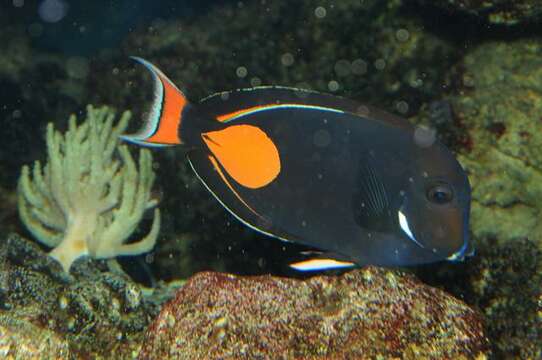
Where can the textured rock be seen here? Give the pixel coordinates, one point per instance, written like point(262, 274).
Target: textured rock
point(89, 313)
point(507, 12)
point(370, 313)
point(494, 119)
point(20, 339)
point(504, 283)
point(500, 106)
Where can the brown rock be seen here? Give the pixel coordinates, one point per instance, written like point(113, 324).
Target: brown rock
point(368, 313)
point(20, 339)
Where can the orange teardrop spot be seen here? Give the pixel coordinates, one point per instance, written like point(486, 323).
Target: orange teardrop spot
point(247, 154)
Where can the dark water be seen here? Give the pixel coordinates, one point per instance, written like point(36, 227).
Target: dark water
point(473, 75)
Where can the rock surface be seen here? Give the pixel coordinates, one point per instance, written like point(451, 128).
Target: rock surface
point(504, 283)
point(508, 12)
point(47, 314)
point(500, 104)
point(370, 313)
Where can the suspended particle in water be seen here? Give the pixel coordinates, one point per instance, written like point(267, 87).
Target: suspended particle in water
point(333, 85)
point(321, 138)
point(287, 59)
point(424, 137)
point(35, 29)
point(380, 64)
point(241, 71)
point(52, 11)
point(77, 67)
point(342, 67)
point(17, 114)
point(402, 35)
point(359, 67)
point(320, 12)
point(255, 81)
point(363, 111)
point(402, 106)
point(18, 3)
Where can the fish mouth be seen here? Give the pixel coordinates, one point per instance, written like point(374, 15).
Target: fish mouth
point(465, 251)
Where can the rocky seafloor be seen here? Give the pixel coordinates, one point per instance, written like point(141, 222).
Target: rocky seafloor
point(472, 70)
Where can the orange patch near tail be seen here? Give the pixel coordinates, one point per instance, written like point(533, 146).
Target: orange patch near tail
point(170, 117)
point(247, 154)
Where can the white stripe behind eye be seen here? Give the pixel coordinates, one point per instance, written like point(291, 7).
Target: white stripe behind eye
point(403, 222)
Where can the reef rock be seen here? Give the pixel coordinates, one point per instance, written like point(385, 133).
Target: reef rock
point(370, 313)
point(508, 12)
point(46, 313)
point(500, 105)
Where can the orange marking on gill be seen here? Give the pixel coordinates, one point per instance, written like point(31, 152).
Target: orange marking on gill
point(247, 154)
point(226, 117)
point(223, 177)
point(170, 118)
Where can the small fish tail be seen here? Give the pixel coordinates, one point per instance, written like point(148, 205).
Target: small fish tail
point(165, 120)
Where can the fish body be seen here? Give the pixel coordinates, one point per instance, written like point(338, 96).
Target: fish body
point(361, 185)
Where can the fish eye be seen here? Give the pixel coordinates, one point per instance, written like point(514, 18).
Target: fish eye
point(440, 193)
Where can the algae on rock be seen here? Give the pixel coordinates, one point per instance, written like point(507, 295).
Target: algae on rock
point(505, 12)
point(500, 106)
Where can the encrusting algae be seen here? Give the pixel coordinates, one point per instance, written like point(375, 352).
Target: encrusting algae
point(85, 201)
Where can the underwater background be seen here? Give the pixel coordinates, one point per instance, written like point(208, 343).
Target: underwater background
point(471, 70)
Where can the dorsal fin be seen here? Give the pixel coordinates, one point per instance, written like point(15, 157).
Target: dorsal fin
point(222, 104)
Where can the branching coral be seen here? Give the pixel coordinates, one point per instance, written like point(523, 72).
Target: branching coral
point(89, 197)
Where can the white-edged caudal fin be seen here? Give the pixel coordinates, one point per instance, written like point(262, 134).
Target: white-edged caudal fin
point(162, 124)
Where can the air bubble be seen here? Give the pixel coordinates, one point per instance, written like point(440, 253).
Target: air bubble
point(52, 11)
point(241, 71)
point(255, 81)
point(402, 35)
point(402, 106)
point(380, 64)
point(77, 67)
point(359, 67)
point(287, 59)
point(35, 29)
point(321, 138)
point(424, 136)
point(342, 67)
point(333, 85)
point(363, 110)
point(320, 12)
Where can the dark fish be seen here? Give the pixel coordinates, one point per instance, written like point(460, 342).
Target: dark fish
point(363, 186)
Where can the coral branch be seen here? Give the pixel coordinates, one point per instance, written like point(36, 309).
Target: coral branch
point(90, 196)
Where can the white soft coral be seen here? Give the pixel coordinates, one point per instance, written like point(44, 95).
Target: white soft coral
point(85, 201)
